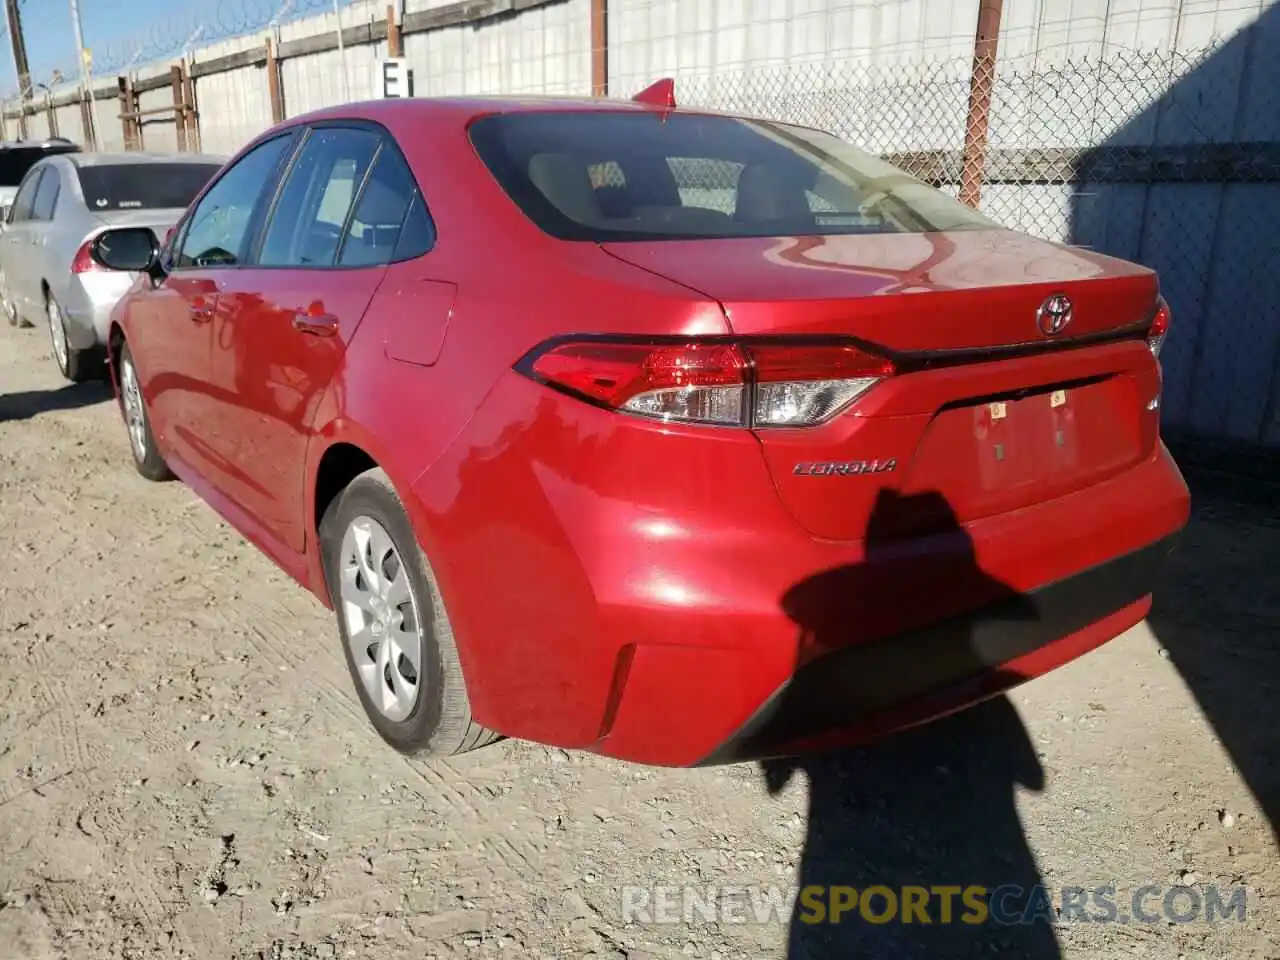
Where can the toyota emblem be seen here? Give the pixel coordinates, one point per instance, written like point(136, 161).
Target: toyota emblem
point(1054, 315)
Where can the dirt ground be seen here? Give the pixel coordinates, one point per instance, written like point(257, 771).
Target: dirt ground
point(185, 771)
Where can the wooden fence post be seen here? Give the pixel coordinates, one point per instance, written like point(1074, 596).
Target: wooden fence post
point(87, 133)
point(981, 80)
point(51, 114)
point(179, 107)
point(193, 108)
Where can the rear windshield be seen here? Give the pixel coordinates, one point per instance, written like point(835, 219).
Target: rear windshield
point(143, 186)
point(641, 176)
point(15, 162)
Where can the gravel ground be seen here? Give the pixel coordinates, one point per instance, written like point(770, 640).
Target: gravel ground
point(185, 772)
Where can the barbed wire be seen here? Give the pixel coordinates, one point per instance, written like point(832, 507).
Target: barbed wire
point(176, 33)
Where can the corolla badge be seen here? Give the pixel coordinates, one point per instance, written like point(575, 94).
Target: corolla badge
point(1054, 315)
point(844, 468)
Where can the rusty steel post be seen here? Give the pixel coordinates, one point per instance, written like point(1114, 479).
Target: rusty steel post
point(981, 81)
point(599, 48)
point(274, 93)
point(395, 42)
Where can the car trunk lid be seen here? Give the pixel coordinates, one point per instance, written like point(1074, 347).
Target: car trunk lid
point(986, 408)
point(907, 292)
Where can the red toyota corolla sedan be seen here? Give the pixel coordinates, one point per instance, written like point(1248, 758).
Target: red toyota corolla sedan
point(674, 436)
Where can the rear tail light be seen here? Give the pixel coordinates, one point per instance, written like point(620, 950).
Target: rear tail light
point(731, 384)
point(83, 261)
point(1159, 327)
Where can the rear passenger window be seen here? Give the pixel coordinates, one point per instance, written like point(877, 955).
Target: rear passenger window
point(26, 198)
point(419, 234)
point(47, 195)
point(390, 221)
point(306, 225)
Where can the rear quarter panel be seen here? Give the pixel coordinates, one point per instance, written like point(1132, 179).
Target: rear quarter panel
point(515, 287)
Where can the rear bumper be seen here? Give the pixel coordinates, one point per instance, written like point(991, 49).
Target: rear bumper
point(641, 591)
point(87, 304)
point(867, 690)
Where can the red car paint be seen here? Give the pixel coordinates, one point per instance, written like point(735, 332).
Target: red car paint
point(630, 586)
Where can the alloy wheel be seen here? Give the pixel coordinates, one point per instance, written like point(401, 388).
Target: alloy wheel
point(134, 415)
point(58, 331)
point(380, 613)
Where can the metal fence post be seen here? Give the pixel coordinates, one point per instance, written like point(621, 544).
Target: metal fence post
point(981, 81)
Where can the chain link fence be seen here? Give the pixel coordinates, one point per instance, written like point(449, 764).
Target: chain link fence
point(1166, 158)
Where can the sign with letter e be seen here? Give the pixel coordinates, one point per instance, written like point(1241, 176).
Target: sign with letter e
point(393, 79)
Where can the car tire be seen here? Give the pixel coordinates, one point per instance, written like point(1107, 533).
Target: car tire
point(422, 708)
point(142, 442)
point(78, 366)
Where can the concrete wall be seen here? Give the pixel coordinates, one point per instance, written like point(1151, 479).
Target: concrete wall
point(546, 50)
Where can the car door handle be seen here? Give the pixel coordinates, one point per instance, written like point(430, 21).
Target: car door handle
point(318, 325)
point(201, 314)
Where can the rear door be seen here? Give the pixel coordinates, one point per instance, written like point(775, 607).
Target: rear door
point(285, 320)
point(17, 243)
point(43, 266)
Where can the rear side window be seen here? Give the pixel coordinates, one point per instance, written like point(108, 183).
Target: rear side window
point(47, 195)
point(143, 186)
point(610, 176)
point(305, 229)
point(24, 202)
point(389, 221)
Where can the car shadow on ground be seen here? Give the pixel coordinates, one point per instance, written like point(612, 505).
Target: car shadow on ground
point(30, 403)
point(933, 807)
point(1218, 616)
